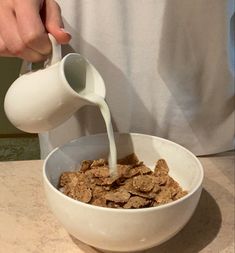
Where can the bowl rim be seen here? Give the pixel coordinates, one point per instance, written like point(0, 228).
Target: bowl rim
point(116, 210)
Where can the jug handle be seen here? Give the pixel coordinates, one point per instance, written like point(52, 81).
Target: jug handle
point(54, 57)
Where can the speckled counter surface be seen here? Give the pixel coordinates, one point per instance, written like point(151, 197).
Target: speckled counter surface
point(27, 225)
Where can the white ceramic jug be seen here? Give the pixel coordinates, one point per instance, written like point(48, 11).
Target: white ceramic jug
point(41, 100)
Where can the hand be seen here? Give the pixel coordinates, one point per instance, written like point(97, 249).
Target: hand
point(24, 28)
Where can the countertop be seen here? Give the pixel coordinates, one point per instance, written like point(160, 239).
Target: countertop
point(28, 226)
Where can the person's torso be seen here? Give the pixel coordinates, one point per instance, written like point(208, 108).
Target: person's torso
point(166, 67)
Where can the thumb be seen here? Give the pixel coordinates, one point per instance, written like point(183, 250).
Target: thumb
point(53, 22)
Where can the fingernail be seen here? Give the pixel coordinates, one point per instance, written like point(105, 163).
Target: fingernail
point(63, 30)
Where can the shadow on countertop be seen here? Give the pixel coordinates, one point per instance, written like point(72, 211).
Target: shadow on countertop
point(199, 231)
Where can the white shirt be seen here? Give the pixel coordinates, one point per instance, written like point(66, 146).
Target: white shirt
point(167, 67)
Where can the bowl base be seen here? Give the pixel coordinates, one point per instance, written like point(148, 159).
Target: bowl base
point(124, 251)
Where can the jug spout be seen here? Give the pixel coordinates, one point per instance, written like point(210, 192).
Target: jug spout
point(82, 76)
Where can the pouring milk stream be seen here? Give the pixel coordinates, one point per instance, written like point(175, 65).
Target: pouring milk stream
point(41, 100)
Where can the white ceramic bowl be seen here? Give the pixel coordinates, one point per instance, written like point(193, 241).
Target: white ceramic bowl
point(116, 229)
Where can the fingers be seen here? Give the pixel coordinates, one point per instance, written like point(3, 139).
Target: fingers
point(23, 29)
point(11, 41)
point(54, 23)
point(3, 50)
point(30, 26)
